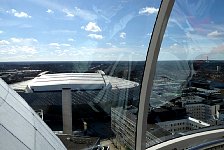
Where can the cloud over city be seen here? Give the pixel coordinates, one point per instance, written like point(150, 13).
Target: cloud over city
point(92, 27)
point(18, 14)
point(95, 36)
point(148, 10)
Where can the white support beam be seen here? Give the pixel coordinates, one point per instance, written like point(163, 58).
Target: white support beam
point(67, 111)
point(185, 142)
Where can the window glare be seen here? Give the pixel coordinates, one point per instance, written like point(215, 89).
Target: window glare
point(187, 95)
point(79, 66)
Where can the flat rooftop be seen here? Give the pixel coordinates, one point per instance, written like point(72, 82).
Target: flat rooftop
point(74, 81)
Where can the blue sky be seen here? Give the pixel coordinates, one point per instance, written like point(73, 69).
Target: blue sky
point(195, 31)
point(37, 30)
point(88, 30)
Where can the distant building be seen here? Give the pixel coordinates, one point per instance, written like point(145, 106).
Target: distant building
point(166, 113)
point(123, 124)
point(191, 99)
point(182, 125)
point(77, 82)
point(201, 109)
point(91, 93)
point(218, 68)
point(174, 119)
point(98, 88)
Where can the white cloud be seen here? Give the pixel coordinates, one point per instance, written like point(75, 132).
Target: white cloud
point(69, 13)
point(71, 40)
point(95, 36)
point(50, 11)
point(215, 34)
point(18, 14)
point(59, 45)
point(91, 26)
point(23, 40)
point(123, 35)
point(22, 14)
point(111, 45)
point(123, 43)
point(54, 44)
point(1, 32)
point(175, 45)
point(28, 49)
point(4, 42)
point(15, 40)
point(149, 34)
point(84, 14)
point(19, 46)
point(67, 45)
point(148, 10)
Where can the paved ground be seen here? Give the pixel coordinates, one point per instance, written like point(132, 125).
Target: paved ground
point(78, 143)
point(108, 143)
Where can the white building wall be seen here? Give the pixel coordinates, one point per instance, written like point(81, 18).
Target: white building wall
point(202, 112)
point(182, 125)
point(123, 127)
point(20, 127)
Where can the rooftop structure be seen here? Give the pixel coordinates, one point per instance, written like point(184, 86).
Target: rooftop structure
point(69, 89)
point(183, 125)
point(204, 112)
point(166, 113)
point(74, 81)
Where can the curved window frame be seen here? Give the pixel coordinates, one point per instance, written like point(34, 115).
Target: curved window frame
point(149, 71)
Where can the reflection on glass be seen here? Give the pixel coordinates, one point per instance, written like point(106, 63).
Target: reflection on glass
point(79, 65)
point(187, 95)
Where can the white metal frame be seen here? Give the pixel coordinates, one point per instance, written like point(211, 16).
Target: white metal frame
point(149, 72)
point(194, 139)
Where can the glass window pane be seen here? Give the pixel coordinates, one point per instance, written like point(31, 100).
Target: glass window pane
point(78, 64)
point(187, 95)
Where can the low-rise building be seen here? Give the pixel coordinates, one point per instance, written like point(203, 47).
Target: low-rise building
point(205, 110)
point(123, 124)
point(202, 111)
point(183, 125)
